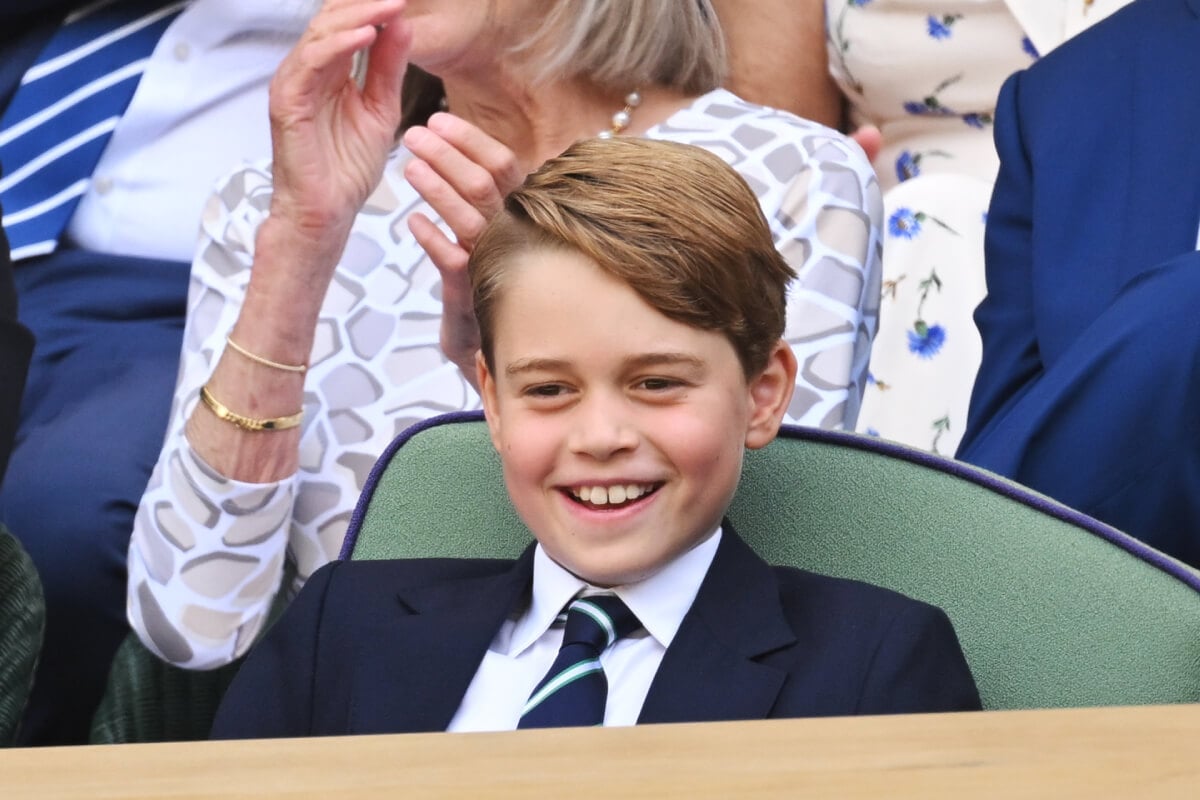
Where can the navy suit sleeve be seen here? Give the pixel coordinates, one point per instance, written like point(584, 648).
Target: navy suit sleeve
point(16, 346)
point(918, 666)
point(272, 694)
point(1005, 318)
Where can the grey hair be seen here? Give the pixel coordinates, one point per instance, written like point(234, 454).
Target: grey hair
point(621, 45)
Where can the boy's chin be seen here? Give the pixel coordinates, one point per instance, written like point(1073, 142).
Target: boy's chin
point(607, 577)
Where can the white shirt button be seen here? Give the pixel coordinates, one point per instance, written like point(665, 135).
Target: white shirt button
point(182, 51)
point(102, 185)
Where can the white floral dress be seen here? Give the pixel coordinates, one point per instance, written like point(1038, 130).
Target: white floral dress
point(928, 74)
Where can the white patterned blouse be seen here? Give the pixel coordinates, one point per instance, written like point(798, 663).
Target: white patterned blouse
point(207, 555)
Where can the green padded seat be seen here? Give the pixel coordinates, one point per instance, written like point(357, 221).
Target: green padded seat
point(1052, 607)
point(22, 624)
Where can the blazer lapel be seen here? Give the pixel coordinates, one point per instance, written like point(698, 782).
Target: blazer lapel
point(420, 666)
point(710, 670)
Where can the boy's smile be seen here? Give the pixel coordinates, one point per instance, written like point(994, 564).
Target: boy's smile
point(621, 431)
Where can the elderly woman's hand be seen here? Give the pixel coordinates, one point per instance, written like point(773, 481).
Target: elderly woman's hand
point(464, 175)
point(330, 135)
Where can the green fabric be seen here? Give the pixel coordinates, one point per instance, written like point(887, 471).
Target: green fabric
point(1048, 613)
point(148, 700)
point(22, 623)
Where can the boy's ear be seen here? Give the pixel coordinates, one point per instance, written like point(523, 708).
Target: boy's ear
point(770, 392)
point(487, 393)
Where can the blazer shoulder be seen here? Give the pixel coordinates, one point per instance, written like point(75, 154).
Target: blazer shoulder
point(392, 575)
point(807, 594)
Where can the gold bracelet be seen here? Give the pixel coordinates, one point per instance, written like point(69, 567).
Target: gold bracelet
point(249, 423)
point(266, 362)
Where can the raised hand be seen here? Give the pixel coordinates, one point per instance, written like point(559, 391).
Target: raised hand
point(464, 175)
point(330, 136)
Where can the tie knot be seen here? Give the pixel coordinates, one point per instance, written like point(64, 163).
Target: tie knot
point(598, 621)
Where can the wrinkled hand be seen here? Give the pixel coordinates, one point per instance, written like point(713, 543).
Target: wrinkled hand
point(330, 137)
point(464, 175)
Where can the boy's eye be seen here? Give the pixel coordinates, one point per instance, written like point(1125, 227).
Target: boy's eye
point(546, 390)
point(658, 384)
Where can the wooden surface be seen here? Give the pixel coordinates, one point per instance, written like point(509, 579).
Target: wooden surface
point(1114, 752)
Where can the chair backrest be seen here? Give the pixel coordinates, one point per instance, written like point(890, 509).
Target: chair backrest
point(22, 624)
point(1052, 608)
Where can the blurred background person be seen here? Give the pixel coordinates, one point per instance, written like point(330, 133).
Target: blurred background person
point(1090, 380)
point(116, 120)
point(926, 74)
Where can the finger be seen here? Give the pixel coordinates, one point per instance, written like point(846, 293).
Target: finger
point(449, 258)
point(465, 218)
point(470, 180)
point(869, 139)
point(335, 17)
point(385, 68)
point(482, 149)
point(459, 333)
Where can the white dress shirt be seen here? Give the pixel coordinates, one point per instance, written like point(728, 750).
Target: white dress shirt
point(526, 645)
point(199, 112)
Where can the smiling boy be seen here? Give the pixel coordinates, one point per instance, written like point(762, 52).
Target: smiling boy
point(631, 304)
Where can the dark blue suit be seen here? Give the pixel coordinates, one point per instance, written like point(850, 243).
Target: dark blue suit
point(15, 346)
point(391, 646)
point(108, 331)
point(1089, 389)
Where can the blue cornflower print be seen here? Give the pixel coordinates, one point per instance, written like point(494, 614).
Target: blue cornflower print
point(873, 432)
point(1030, 50)
point(931, 105)
point(859, 3)
point(904, 223)
point(907, 166)
point(977, 120)
point(939, 28)
point(926, 340)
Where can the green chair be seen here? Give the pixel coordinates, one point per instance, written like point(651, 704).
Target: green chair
point(22, 624)
point(1052, 607)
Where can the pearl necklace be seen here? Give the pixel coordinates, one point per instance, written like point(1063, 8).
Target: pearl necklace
point(620, 120)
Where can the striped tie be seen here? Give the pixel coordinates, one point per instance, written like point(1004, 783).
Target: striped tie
point(56, 127)
point(575, 691)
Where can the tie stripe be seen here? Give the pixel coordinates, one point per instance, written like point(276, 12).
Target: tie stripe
point(59, 121)
point(567, 676)
point(575, 689)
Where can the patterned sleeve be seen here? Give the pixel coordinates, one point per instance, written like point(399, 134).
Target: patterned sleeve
point(198, 592)
point(827, 224)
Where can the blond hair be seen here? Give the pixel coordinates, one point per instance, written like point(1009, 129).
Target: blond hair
point(617, 45)
point(628, 44)
point(674, 222)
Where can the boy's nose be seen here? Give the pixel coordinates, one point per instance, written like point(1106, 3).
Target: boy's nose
point(602, 429)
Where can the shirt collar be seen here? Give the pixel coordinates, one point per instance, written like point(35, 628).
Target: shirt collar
point(660, 602)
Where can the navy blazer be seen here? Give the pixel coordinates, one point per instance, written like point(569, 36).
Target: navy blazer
point(1097, 143)
point(391, 646)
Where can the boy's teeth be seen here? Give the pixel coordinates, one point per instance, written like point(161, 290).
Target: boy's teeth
point(604, 495)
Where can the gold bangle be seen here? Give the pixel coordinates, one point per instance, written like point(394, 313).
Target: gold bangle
point(266, 362)
point(249, 423)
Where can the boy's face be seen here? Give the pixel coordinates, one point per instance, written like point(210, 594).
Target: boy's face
point(621, 431)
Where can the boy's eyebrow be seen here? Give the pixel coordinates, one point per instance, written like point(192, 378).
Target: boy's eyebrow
point(640, 361)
